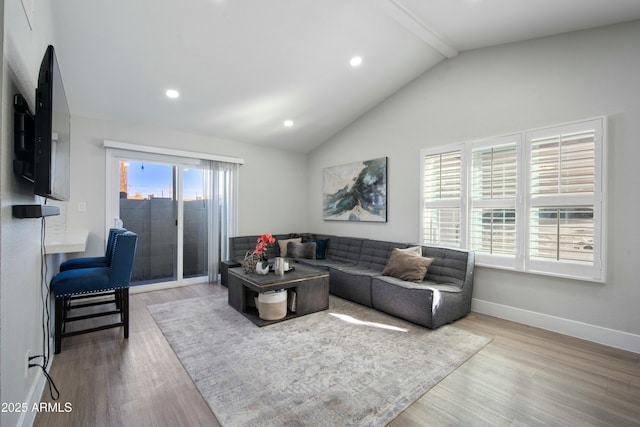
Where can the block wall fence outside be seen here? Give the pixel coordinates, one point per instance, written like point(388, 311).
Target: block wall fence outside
point(154, 221)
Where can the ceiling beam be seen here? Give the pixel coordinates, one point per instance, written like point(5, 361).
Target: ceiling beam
point(413, 24)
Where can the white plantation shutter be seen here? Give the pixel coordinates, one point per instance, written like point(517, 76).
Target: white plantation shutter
point(493, 197)
point(442, 179)
point(563, 164)
point(562, 233)
point(441, 195)
point(565, 198)
point(442, 226)
point(494, 172)
point(532, 201)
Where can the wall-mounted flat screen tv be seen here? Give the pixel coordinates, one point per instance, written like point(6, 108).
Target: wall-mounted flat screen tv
point(52, 132)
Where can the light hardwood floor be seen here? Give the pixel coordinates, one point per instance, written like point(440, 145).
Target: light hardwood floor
point(524, 377)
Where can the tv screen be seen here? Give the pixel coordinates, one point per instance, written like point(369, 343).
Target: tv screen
point(52, 132)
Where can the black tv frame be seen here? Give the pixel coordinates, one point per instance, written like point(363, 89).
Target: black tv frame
point(49, 95)
point(34, 160)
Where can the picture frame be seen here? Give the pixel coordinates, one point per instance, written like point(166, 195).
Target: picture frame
point(356, 191)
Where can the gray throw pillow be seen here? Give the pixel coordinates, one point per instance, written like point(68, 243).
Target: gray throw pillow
point(301, 250)
point(283, 245)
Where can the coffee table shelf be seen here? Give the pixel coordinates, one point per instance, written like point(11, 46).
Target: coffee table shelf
point(310, 284)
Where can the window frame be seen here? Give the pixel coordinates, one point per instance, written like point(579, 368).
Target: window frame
point(573, 269)
point(459, 203)
point(492, 259)
point(522, 260)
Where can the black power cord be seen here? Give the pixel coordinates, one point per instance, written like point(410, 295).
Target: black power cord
point(46, 318)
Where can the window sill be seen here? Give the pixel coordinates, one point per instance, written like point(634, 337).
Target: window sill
point(541, 273)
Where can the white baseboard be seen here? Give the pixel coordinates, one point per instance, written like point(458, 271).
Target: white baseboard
point(137, 289)
point(597, 334)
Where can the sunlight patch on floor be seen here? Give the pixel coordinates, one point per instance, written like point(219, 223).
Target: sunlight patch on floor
point(353, 320)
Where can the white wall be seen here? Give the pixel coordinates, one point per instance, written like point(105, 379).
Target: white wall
point(495, 91)
point(272, 190)
point(272, 198)
point(479, 93)
point(20, 307)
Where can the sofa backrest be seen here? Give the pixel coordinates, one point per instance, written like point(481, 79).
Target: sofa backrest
point(452, 266)
point(449, 265)
point(375, 253)
point(345, 249)
point(239, 246)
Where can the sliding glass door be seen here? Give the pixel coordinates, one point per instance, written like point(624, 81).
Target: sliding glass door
point(148, 205)
point(182, 208)
point(163, 201)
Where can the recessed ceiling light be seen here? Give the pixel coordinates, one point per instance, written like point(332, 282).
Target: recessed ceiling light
point(288, 123)
point(172, 93)
point(355, 61)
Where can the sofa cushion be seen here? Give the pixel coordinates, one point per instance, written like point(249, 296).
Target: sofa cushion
point(351, 283)
point(321, 247)
point(301, 250)
point(324, 264)
point(407, 266)
point(375, 254)
point(403, 299)
point(428, 304)
point(449, 265)
point(344, 249)
point(283, 245)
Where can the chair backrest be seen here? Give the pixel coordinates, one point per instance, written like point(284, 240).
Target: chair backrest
point(124, 251)
point(112, 236)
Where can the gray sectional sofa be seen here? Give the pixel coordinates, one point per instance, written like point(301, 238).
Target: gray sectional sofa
point(356, 268)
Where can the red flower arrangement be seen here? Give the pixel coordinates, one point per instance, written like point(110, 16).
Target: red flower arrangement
point(261, 246)
point(258, 257)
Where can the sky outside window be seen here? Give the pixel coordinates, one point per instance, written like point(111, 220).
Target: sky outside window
point(143, 180)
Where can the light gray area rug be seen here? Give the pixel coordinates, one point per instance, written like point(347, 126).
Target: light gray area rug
point(346, 366)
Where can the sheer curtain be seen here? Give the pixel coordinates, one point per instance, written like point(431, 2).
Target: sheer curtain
point(222, 189)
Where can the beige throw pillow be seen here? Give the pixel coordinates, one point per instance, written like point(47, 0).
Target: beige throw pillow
point(407, 266)
point(415, 250)
point(283, 245)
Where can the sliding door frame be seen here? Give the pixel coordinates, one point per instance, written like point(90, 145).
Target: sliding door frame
point(114, 157)
point(116, 150)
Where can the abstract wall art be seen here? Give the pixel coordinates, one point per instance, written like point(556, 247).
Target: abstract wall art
point(356, 191)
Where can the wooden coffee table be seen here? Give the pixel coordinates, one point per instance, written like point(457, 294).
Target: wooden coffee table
point(310, 284)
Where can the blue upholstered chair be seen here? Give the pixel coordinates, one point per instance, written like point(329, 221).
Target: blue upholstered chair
point(96, 281)
point(98, 261)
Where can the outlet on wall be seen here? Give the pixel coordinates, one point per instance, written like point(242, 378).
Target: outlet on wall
point(82, 206)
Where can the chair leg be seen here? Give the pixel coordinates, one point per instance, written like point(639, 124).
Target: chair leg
point(63, 307)
point(125, 311)
point(59, 315)
point(66, 302)
point(118, 299)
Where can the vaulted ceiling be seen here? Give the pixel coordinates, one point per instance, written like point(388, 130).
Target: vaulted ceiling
point(243, 67)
